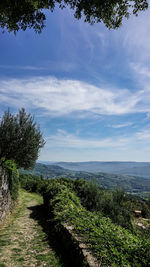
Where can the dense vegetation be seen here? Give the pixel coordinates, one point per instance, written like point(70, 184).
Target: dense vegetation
point(32, 183)
point(110, 243)
point(15, 14)
point(116, 204)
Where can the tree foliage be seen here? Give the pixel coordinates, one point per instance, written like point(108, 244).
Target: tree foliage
point(20, 138)
point(16, 14)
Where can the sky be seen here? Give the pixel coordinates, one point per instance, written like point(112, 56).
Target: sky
point(88, 87)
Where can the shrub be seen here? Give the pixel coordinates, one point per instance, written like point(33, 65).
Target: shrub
point(13, 176)
point(112, 203)
point(32, 183)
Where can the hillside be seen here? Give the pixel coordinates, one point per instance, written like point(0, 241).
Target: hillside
point(115, 167)
point(129, 183)
point(103, 224)
point(47, 171)
point(143, 171)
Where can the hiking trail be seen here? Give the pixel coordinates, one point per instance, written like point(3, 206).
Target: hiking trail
point(23, 243)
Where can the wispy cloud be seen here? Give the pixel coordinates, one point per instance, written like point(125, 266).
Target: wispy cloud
point(129, 144)
point(116, 126)
point(141, 70)
point(63, 139)
point(72, 147)
point(59, 97)
point(12, 67)
point(136, 37)
point(62, 66)
point(143, 135)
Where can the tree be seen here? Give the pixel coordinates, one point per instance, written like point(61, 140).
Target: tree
point(16, 14)
point(20, 138)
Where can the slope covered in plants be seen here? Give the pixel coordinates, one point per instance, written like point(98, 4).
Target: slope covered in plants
point(112, 245)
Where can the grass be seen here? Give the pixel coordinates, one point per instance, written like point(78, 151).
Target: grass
point(22, 240)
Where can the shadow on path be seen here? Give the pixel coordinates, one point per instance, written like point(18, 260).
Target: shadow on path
point(40, 215)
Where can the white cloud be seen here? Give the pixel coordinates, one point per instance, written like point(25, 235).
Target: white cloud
point(141, 70)
point(144, 135)
point(63, 139)
point(141, 75)
point(116, 126)
point(71, 147)
point(62, 97)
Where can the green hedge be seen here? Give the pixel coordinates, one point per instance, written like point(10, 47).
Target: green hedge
point(13, 176)
point(32, 183)
point(111, 244)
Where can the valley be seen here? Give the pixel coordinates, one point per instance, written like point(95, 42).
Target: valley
point(130, 183)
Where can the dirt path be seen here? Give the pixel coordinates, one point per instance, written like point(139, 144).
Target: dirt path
point(23, 242)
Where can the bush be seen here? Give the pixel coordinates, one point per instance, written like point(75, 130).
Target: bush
point(13, 176)
point(112, 203)
point(32, 183)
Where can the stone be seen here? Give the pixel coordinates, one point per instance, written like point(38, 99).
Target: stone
point(6, 201)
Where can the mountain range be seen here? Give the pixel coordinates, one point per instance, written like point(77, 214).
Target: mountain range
point(141, 169)
point(131, 183)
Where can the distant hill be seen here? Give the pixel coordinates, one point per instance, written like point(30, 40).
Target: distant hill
point(116, 167)
point(129, 183)
point(138, 171)
point(48, 171)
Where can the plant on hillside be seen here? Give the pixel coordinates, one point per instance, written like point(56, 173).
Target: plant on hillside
point(111, 244)
point(112, 203)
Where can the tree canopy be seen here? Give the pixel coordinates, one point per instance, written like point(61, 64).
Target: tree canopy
point(16, 14)
point(20, 138)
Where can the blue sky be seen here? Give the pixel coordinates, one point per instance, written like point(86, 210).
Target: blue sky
point(88, 87)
